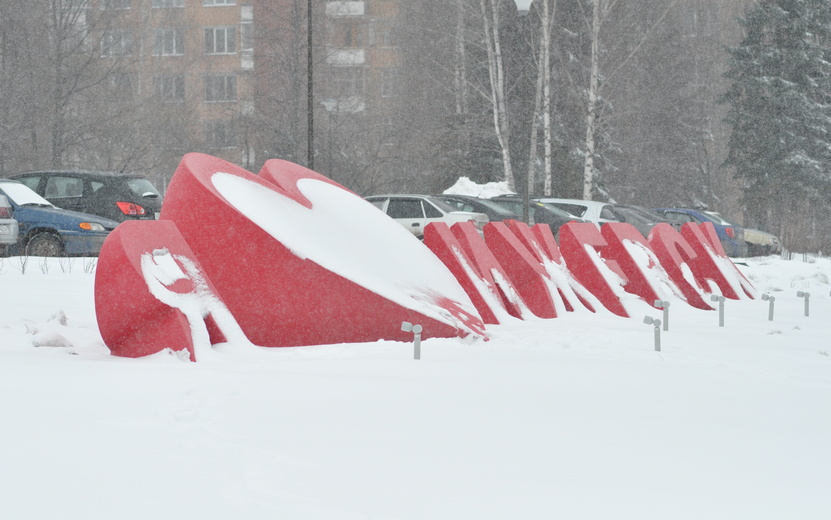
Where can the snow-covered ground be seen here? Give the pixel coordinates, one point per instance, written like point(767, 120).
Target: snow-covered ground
point(576, 417)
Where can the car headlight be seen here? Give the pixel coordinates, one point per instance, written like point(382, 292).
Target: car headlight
point(91, 226)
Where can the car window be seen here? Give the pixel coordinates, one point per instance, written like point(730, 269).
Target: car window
point(515, 207)
point(445, 207)
point(405, 208)
point(378, 203)
point(64, 187)
point(677, 217)
point(458, 204)
point(608, 214)
point(496, 208)
point(431, 212)
point(557, 210)
point(31, 182)
point(95, 186)
point(573, 209)
point(720, 219)
point(141, 187)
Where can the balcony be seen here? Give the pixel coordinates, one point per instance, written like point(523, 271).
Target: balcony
point(346, 57)
point(345, 9)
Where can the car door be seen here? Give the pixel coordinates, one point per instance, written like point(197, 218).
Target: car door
point(65, 191)
point(409, 213)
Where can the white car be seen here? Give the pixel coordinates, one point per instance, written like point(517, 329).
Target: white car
point(9, 228)
point(416, 211)
point(761, 243)
point(602, 212)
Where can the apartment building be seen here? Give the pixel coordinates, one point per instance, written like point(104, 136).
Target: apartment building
point(208, 59)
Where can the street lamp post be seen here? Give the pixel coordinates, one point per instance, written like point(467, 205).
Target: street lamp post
point(310, 121)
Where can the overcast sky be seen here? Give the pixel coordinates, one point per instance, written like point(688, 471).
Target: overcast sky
point(523, 5)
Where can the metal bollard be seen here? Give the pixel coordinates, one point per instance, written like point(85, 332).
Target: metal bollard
point(416, 330)
point(649, 320)
point(807, 296)
point(772, 299)
point(663, 304)
point(720, 300)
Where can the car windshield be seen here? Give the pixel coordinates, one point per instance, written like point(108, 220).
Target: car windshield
point(142, 187)
point(557, 210)
point(442, 205)
point(22, 195)
point(496, 208)
point(643, 214)
point(719, 219)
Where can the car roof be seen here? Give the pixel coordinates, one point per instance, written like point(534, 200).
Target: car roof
point(92, 174)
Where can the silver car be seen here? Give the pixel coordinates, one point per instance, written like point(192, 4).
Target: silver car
point(416, 211)
point(9, 228)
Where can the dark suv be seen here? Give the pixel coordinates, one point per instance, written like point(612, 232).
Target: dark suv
point(117, 196)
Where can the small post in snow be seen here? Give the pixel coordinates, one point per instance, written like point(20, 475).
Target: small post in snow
point(771, 299)
point(720, 300)
point(663, 304)
point(416, 330)
point(807, 296)
point(649, 320)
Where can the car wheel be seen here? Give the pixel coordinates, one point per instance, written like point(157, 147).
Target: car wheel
point(44, 244)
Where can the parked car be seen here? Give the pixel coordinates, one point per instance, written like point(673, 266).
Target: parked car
point(538, 212)
point(117, 196)
point(49, 231)
point(9, 229)
point(731, 235)
point(416, 211)
point(602, 212)
point(761, 243)
point(494, 211)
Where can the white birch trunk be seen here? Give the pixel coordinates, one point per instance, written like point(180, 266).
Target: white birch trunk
point(591, 108)
point(490, 18)
point(460, 72)
point(545, 70)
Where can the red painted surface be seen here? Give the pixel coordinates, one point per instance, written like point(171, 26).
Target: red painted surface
point(574, 238)
point(133, 322)
point(674, 252)
point(524, 270)
point(278, 298)
point(440, 240)
point(473, 244)
point(700, 237)
point(615, 234)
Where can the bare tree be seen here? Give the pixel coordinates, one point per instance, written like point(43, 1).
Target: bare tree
point(496, 70)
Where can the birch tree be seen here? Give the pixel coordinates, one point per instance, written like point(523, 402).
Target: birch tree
point(601, 73)
point(496, 72)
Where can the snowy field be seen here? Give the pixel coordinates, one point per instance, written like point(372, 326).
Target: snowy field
point(573, 418)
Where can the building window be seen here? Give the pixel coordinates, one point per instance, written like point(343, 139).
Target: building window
point(75, 14)
point(119, 88)
point(220, 40)
point(168, 3)
point(219, 2)
point(246, 35)
point(116, 42)
point(347, 81)
point(115, 4)
point(221, 133)
point(389, 82)
point(170, 88)
point(220, 88)
point(352, 35)
point(389, 37)
point(169, 42)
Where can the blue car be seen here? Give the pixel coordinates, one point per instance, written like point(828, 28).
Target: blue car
point(731, 235)
point(45, 230)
